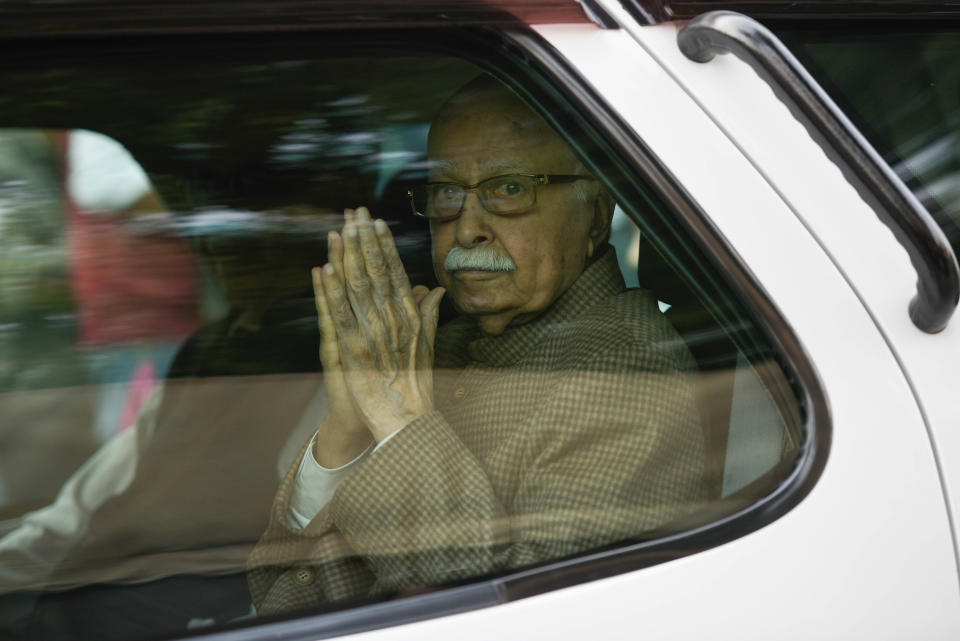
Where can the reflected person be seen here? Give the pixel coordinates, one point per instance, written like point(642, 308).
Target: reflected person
point(552, 416)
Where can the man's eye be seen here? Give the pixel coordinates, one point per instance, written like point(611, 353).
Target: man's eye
point(446, 192)
point(510, 189)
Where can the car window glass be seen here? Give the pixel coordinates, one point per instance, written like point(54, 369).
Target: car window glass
point(159, 374)
point(902, 88)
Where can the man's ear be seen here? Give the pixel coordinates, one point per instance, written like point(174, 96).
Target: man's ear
point(599, 232)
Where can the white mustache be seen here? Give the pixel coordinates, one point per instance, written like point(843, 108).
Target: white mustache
point(477, 259)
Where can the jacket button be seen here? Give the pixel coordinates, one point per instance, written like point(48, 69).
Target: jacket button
point(303, 576)
point(459, 393)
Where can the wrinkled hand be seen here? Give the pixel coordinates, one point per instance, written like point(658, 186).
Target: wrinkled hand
point(384, 330)
point(343, 435)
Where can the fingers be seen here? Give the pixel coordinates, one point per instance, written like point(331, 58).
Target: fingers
point(375, 286)
point(335, 251)
point(359, 287)
point(389, 286)
point(429, 309)
point(373, 258)
point(333, 280)
point(419, 292)
point(402, 301)
point(338, 305)
point(368, 292)
point(354, 271)
point(388, 248)
point(329, 348)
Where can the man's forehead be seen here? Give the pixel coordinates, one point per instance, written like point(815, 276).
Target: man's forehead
point(487, 153)
point(485, 165)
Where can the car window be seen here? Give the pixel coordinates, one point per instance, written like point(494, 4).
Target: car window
point(162, 378)
point(900, 85)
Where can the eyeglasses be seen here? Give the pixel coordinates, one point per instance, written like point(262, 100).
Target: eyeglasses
point(502, 195)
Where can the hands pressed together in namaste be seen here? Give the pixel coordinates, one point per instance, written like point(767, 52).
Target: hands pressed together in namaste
point(377, 340)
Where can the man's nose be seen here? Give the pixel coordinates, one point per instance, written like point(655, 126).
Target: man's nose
point(473, 227)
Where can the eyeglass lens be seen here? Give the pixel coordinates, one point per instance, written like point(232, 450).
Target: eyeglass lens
point(498, 195)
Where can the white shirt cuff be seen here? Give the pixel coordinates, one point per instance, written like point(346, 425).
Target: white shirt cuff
point(384, 441)
point(315, 485)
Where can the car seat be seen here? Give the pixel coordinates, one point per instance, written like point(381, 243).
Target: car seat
point(749, 437)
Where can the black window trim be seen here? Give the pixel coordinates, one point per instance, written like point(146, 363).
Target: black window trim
point(521, 51)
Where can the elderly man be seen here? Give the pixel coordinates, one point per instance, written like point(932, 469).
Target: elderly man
point(551, 417)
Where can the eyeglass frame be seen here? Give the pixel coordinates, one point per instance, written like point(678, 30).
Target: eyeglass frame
point(541, 180)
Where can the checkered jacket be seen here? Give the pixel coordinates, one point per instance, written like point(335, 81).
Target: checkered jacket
point(572, 431)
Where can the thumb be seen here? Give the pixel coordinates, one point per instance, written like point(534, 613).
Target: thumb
point(429, 309)
point(419, 292)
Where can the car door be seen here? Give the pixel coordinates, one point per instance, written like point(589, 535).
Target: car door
point(731, 97)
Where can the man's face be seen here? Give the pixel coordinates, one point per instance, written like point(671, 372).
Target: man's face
point(549, 244)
